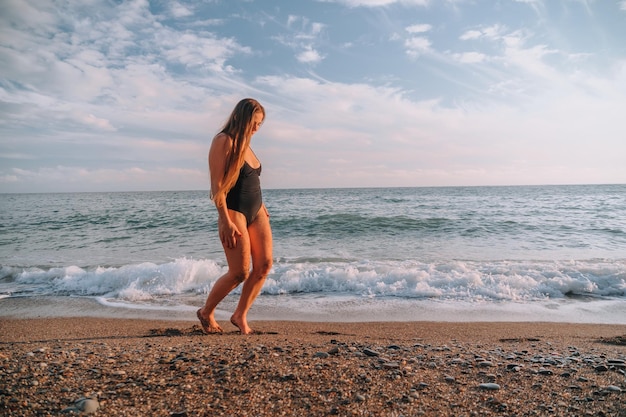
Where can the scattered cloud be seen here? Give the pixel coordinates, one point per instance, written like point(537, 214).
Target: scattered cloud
point(309, 56)
point(179, 10)
point(417, 45)
point(377, 3)
point(421, 28)
point(127, 96)
point(470, 57)
point(302, 37)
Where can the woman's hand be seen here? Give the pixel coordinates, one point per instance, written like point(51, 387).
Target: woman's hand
point(229, 233)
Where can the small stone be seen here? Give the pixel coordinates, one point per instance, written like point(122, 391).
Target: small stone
point(87, 405)
point(601, 368)
point(322, 355)
point(333, 351)
point(613, 388)
point(360, 398)
point(370, 352)
point(513, 367)
point(489, 386)
point(407, 399)
point(391, 365)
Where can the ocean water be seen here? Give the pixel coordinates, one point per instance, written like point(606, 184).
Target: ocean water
point(523, 253)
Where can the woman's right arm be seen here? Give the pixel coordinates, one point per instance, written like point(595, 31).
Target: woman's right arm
point(220, 147)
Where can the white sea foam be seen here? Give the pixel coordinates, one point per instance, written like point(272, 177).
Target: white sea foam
point(131, 282)
point(486, 288)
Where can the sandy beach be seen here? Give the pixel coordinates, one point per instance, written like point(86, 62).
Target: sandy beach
point(133, 367)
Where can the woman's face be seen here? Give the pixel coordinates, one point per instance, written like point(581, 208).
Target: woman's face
point(257, 121)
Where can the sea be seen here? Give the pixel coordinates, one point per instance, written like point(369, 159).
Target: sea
point(503, 253)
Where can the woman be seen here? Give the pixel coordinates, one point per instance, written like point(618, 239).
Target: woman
point(243, 220)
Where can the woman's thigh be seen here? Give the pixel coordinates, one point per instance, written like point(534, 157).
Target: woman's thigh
point(260, 236)
point(238, 258)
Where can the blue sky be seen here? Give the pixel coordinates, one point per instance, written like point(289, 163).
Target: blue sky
point(109, 95)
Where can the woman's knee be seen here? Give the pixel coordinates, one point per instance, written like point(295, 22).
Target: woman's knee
point(263, 268)
point(240, 276)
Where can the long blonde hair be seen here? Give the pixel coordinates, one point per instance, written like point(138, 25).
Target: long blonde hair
point(238, 127)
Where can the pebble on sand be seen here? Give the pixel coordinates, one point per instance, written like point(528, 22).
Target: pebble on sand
point(490, 386)
point(83, 405)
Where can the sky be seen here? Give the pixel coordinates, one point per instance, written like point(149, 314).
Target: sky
point(110, 95)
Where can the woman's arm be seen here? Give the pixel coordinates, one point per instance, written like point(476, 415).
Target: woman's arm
point(220, 148)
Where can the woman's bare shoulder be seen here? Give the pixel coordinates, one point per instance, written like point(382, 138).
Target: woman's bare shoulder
point(221, 144)
point(222, 137)
point(221, 141)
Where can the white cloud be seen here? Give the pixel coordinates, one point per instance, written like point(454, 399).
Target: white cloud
point(99, 123)
point(121, 60)
point(316, 28)
point(417, 45)
point(204, 51)
point(471, 34)
point(309, 56)
point(410, 141)
point(493, 32)
point(377, 3)
point(8, 179)
point(529, 59)
point(470, 57)
point(421, 28)
point(180, 10)
point(66, 178)
point(303, 38)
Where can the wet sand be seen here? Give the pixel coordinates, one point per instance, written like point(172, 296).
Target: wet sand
point(135, 367)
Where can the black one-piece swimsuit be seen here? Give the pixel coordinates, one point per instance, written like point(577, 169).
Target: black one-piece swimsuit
point(245, 196)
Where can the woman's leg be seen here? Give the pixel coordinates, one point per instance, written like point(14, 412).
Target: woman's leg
point(260, 234)
point(238, 259)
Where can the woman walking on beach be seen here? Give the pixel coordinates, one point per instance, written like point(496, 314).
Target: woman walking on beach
point(243, 221)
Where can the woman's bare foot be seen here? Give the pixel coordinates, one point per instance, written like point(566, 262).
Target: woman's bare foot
point(242, 325)
point(208, 325)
